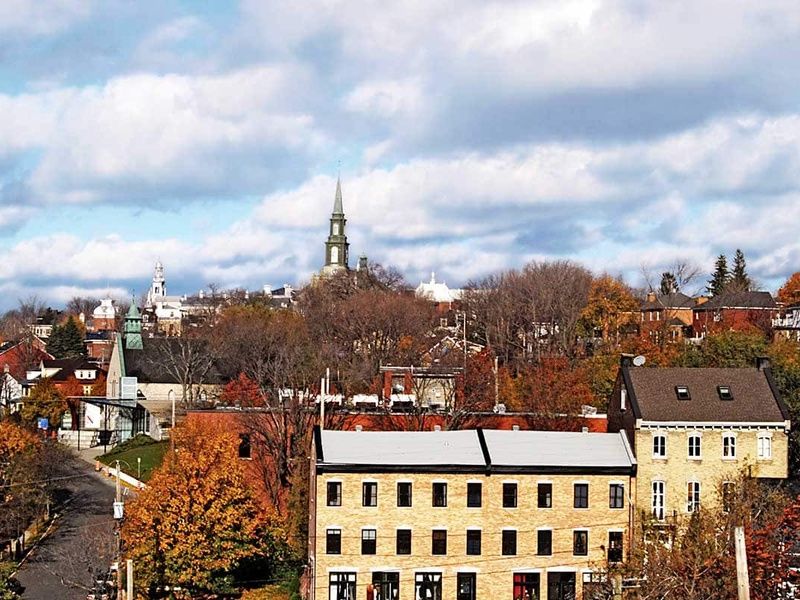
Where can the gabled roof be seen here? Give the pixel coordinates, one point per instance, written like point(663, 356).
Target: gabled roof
point(674, 300)
point(653, 397)
point(150, 364)
point(751, 300)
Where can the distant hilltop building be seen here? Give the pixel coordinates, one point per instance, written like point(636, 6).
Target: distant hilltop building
point(438, 293)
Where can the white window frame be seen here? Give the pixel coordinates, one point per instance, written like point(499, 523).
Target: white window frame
point(767, 444)
point(664, 437)
point(658, 508)
point(692, 436)
point(730, 448)
point(692, 496)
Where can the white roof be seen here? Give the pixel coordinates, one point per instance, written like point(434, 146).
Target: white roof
point(511, 449)
point(437, 292)
point(401, 448)
point(105, 310)
point(558, 449)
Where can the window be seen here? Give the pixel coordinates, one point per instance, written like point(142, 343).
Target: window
point(509, 495)
point(427, 586)
point(544, 542)
point(87, 390)
point(623, 398)
point(509, 542)
point(526, 585)
point(439, 542)
point(693, 496)
point(728, 495)
point(764, 446)
point(682, 392)
point(474, 493)
point(581, 495)
point(694, 445)
point(440, 494)
point(658, 500)
point(369, 493)
point(616, 495)
point(544, 495)
point(443, 322)
point(728, 446)
point(659, 446)
point(473, 542)
point(403, 541)
point(386, 584)
point(724, 392)
point(560, 586)
point(334, 494)
point(244, 445)
point(333, 541)
point(404, 493)
point(614, 546)
point(580, 542)
point(368, 541)
point(465, 586)
point(342, 586)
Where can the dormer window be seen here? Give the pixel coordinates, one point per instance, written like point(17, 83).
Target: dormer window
point(724, 392)
point(682, 392)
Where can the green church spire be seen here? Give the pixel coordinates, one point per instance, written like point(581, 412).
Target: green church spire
point(132, 331)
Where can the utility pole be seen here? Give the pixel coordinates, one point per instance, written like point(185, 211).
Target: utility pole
point(129, 579)
point(119, 513)
point(742, 576)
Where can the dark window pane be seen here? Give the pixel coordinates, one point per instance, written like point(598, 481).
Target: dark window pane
point(474, 493)
point(369, 493)
point(244, 445)
point(614, 546)
point(368, 541)
point(545, 495)
point(509, 542)
point(439, 494)
point(333, 541)
point(465, 586)
point(526, 585)
point(334, 493)
point(473, 542)
point(581, 495)
point(616, 495)
point(439, 541)
point(386, 584)
point(544, 542)
point(509, 495)
point(404, 493)
point(580, 543)
point(403, 541)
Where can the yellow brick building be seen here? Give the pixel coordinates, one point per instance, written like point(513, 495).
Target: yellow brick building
point(467, 514)
point(695, 430)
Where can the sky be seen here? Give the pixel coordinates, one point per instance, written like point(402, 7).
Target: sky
point(471, 136)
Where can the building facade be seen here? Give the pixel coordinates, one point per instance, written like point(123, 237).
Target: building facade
point(467, 514)
point(696, 430)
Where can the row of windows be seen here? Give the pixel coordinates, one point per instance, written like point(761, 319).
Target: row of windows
point(763, 447)
point(658, 497)
point(508, 546)
point(385, 585)
point(544, 494)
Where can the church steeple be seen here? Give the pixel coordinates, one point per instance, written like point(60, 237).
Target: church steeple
point(132, 331)
point(158, 289)
point(337, 250)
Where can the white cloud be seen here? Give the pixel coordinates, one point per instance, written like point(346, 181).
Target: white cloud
point(41, 17)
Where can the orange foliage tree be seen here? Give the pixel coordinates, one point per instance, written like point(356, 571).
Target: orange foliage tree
point(197, 523)
point(611, 306)
point(243, 392)
point(790, 290)
point(552, 386)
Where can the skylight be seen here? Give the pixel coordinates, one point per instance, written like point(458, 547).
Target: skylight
point(682, 392)
point(724, 392)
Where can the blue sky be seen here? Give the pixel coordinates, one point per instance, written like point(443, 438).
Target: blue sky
point(471, 136)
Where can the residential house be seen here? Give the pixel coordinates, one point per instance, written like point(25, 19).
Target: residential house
point(15, 360)
point(694, 430)
point(466, 514)
point(734, 311)
point(666, 316)
point(787, 323)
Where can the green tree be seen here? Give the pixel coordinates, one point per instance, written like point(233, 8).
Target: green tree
point(66, 341)
point(739, 279)
point(669, 283)
point(720, 277)
point(44, 401)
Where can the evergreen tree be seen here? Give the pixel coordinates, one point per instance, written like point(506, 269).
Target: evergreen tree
point(66, 341)
point(720, 277)
point(669, 284)
point(740, 279)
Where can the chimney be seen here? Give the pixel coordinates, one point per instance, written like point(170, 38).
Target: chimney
point(437, 427)
point(626, 360)
point(584, 430)
point(515, 428)
point(651, 296)
point(762, 363)
point(359, 428)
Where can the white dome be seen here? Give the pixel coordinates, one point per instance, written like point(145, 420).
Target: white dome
point(106, 310)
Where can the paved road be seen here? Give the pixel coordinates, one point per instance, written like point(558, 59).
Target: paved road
point(81, 539)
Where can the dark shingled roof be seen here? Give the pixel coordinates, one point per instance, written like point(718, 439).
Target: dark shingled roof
point(753, 397)
point(674, 300)
point(762, 300)
point(149, 364)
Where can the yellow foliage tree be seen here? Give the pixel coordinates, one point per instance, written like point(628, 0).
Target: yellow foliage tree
point(611, 306)
point(44, 401)
point(197, 521)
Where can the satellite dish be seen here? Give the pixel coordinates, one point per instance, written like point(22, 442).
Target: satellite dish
point(639, 361)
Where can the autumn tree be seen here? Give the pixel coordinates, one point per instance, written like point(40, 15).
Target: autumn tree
point(197, 521)
point(44, 401)
point(241, 392)
point(789, 293)
point(552, 386)
point(720, 277)
point(611, 307)
point(66, 341)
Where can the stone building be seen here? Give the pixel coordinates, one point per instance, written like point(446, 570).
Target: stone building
point(466, 514)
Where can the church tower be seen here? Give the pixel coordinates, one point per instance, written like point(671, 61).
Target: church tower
point(337, 250)
point(158, 289)
point(132, 330)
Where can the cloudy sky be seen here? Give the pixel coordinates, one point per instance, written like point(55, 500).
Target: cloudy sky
point(471, 136)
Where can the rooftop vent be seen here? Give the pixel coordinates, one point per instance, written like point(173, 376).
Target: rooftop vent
point(515, 428)
point(359, 428)
point(584, 430)
point(682, 392)
point(437, 427)
point(724, 392)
